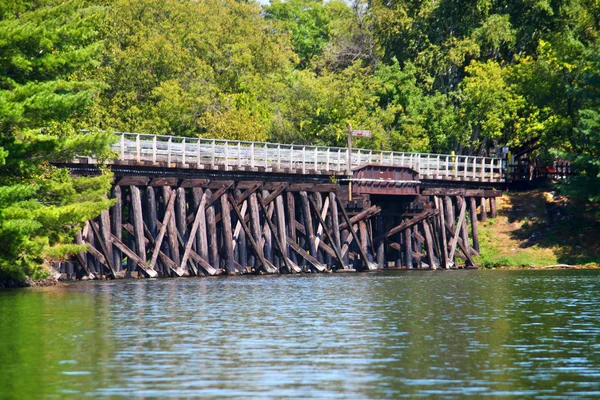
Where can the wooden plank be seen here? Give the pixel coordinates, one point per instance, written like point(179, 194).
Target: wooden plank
point(337, 255)
point(459, 225)
point(369, 212)
point(365, 260)
point(408, 247)
point(161, 181)
point(205, 265)
point(408, 223)
point(492, 193)
point(335, 222)
point(464, 231)
point(105, 251)
point(257, 251)
point(443, 192)
point(308, 223)
point(322, 211)
point(200, 212)
point(254, 220)
point(418, 236)
point(310, 259)
point(133, 181)
point(493, 207)
point(241, 199)
point(313, 187)
point(483, 209)
point(97, 254)
point(244, 185)
point(105, 242)
point(172, 231)
point(181, 212)
point(194, 183)
point(170, 264)
point(474, 227)
point(276, 192)
point(280, 245)
point(266, 231)
point(291, 222)
point(227, 238)
point(429, 244)
point(215, 185)
point(474, 192)
point(163, 230)
point(116, 227)
point(211, 228)
point(443, 237)
point(129, 253)
point(201, 238)
point(138, 222)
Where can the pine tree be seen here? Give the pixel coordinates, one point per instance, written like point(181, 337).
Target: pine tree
point(48, 51)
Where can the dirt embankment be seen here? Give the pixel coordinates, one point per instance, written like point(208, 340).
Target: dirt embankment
point(539, 228)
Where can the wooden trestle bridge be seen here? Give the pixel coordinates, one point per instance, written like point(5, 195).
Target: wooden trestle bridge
point(199, 207)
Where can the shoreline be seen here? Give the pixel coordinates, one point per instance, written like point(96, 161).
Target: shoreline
point(46, 282)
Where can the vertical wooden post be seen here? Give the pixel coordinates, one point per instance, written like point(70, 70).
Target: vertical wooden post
point(443, 235)
point(449, 208)
point(242, 246)
point(281, 228)
point(345, 255)
point(211, 227)
point(268, 240)
point(335, 222)
point(417, 244)
point(171, 229)
point(381, 244)
point(318, 235)
point(398, 261)
point(308, 223)
point(364, 240)
point(464, 231)
point(429, 244)
point(106, 237)
point(181, 213)
point(116, 213)
point(291, 221)
point(493, 207)
point(483, 209)
point(150, 211)
point(408, 247)
point(138, 222)
point(473, 218)
point(255, 227)
point(227, 236)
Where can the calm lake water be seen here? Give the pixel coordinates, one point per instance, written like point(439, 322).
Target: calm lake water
point(384, 335)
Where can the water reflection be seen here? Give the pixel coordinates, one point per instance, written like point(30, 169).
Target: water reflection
point(397, 334)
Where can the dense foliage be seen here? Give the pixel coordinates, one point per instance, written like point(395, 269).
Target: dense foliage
point(46, 48)
point(449, 75)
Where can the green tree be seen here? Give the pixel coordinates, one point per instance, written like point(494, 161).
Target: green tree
point(46, 50)
point(190, 68)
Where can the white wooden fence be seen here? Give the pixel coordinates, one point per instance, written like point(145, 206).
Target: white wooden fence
point(239, 155)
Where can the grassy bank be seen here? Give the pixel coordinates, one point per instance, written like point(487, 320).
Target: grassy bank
point(540, 228)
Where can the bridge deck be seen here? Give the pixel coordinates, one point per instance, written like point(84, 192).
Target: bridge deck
point(228, 155)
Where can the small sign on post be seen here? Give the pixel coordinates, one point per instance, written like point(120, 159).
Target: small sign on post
point(361, 133)
point(351, 133)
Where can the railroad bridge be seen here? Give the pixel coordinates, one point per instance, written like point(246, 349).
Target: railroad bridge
point(201, 207)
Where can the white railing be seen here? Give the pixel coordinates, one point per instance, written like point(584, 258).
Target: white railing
point(240, 155)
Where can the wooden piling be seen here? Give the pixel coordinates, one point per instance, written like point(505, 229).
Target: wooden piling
point(473, 218)
point(483, 209)
point(227, 237)
point(211, 228)
point(116, 225)
point(308, 224)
